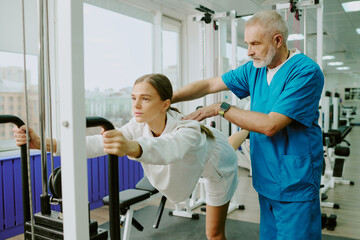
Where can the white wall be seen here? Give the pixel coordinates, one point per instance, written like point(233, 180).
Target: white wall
point(337, 82)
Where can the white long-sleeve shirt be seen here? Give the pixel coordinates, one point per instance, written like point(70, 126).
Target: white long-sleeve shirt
point(174, 161)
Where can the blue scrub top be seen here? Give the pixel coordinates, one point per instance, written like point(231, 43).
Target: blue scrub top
point(288, 165)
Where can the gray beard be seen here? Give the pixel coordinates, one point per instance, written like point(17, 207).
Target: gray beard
point(267, 60)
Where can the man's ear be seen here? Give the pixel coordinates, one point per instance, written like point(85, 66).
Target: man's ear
point(279, 40)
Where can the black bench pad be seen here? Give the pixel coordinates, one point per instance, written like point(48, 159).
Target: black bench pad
point(344, 131)
point(342, 151)
point(129, 197)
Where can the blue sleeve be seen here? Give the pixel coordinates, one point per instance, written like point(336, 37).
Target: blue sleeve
point(237, 81)
point(301, 96)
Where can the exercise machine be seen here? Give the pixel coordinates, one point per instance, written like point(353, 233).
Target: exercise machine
point(348, 114)
point(130, 199)
point(48, 224)
point(333, 164)
point(71, 87)
point(339, 123)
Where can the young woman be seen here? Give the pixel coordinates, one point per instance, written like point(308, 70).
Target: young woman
point(174, 153)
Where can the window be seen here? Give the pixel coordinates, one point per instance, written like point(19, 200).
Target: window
point(12, 92)
point(12, 66)
point(171, 50)
point(241, 54)
point(118, 50)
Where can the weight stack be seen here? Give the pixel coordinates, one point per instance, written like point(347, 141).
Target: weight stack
point(50, 227)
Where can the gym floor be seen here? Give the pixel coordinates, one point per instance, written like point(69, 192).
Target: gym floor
point(348, 197)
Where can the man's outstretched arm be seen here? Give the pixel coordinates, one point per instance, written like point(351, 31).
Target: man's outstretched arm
point(199, 89)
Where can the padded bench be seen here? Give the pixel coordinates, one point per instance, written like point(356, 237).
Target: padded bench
point(334, 138)
point(131, 198)
point(342, 151)
point(144, 184)
point(344, 130)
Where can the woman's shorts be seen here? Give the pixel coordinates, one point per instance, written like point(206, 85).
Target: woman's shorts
point(221, 172)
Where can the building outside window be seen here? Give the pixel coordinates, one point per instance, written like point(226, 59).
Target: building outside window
point(12, 100)
point(118, 50)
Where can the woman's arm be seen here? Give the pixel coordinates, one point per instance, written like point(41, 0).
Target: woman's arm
point(116, 143)
point(34, 141)
point(170, 147)
point(184, 142)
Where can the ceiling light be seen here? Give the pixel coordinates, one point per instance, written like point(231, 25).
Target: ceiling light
point(351, 6)
point(343, 68)
point(358, 31)
point(296, 36)
point(335, 63)
point(328, 57)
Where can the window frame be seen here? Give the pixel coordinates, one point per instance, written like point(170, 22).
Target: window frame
point(175, 25)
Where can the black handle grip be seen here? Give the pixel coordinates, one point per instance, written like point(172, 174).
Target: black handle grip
point(113, 176)
point(11, 119)
point(24, 170)
point(99, 122)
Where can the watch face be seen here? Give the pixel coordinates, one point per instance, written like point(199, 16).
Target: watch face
point(225, 106)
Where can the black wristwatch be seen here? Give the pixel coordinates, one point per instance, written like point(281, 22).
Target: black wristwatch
point(224, 107)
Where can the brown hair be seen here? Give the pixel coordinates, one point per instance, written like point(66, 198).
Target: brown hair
point(164, 88)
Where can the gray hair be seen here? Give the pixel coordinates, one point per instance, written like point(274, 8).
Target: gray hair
point(271, 21)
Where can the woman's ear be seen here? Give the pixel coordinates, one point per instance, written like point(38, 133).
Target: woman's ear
point(166, 105)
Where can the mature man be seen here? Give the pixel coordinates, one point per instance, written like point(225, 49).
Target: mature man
point(286, 141)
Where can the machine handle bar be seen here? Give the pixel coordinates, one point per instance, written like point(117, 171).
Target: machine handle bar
point(24, 169)
point(113, 179)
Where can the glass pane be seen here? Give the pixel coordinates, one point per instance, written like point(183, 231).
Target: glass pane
point(171, 56)
point(118, 50)
point(241, 54)
point(12, 97)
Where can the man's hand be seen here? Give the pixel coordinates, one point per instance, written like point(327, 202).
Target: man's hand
point(115, 143)
point(204, 112)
